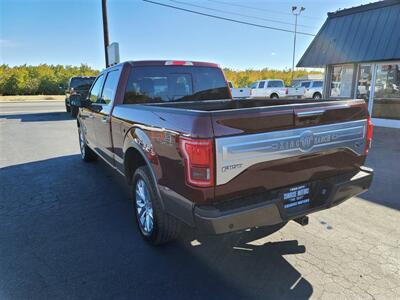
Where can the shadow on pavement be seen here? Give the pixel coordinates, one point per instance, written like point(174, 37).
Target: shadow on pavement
point(384, 158)
point(38, 117)
point(68, 232)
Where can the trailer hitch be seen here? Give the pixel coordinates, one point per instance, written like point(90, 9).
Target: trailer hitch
point(303, 221)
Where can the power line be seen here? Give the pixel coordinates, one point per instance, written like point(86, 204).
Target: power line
point(226, 19)
point(258, 8)
point(237, 14)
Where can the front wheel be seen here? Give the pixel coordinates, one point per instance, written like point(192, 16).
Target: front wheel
point(87, 154)
point(154, 224)
point(317, 96)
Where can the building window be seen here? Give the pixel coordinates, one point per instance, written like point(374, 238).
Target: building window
point(341, 81)
point(364, 82)
point(387, 92)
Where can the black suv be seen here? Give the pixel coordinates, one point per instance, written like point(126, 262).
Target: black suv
point(78, 85)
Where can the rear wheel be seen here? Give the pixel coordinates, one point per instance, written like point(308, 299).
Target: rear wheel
point(154, 224)
point(317, 96)
point(274, 96)
point(87, 154)
point(67, 108)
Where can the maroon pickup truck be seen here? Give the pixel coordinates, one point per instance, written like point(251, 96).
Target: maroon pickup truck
point(194, 156)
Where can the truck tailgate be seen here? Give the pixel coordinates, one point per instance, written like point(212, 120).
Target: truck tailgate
point(273, 147)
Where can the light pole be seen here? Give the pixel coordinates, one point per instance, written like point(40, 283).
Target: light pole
point(105, 29)
point(296, 12)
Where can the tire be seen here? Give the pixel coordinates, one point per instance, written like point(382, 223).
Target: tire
point(155, 226)
point(67, 108)
point(74, 111)
point(274, 96)
point(317, 96)
point(87, 154)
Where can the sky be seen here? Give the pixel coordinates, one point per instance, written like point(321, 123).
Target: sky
point(69, 32)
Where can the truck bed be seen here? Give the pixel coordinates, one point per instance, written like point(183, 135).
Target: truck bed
point(218, 105)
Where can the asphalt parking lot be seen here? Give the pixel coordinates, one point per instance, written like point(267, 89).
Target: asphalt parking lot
point(67, 231)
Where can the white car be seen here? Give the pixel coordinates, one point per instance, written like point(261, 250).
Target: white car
point(239, 93)
point(268, 88)
point(313, 89)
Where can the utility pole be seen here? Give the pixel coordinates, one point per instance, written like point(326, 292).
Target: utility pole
point(296, 13)
point(105, 29)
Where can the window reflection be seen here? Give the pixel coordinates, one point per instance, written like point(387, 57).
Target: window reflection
point(387, 92)
point(341, 81)
point(364, 82)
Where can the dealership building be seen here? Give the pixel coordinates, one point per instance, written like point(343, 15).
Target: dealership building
point(359, 48)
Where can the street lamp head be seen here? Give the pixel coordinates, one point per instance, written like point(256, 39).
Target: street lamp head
point(302, 8)
point(294, 8)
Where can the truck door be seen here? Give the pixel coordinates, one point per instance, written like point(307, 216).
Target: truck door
point(259, 91)
point(87, 113)
point(104, 145)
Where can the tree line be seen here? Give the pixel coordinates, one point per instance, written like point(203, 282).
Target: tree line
point(53, 79)
point(39, 80)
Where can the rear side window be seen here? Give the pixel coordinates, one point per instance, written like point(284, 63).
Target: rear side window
point(261, 85)
point(149, 84)
point(110, 87)
point(254, 85)
point(317, 84)
point(275, 83)
point(305, 84)
point(95, 91)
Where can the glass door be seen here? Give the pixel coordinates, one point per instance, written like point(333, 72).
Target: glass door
point(364, 80)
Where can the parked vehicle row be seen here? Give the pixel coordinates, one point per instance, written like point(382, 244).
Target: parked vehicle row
point(193, 156)
point(275, 89)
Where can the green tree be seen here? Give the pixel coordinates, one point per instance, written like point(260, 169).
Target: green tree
point(39, 80)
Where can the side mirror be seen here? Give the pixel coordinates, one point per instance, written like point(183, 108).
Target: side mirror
point(76, 100)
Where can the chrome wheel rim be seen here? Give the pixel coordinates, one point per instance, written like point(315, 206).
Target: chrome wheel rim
point(144, 208)
point(82, 143)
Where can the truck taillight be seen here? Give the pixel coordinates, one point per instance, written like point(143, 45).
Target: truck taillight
point(287, 91)
point(199, 161)
point(368, 141)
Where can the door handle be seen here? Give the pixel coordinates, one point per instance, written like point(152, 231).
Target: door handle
point(90, 116)
point(304, 114)
point(105, 119)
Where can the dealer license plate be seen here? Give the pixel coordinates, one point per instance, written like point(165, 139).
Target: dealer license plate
point(298, 196)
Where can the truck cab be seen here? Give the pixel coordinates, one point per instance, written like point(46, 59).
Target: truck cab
point(312, 89)
point(268, 89)
point(77, 86)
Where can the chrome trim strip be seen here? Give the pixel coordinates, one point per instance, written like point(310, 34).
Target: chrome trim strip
point(237, 153)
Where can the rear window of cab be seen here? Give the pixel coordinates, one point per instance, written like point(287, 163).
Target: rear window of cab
point(152, 84)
